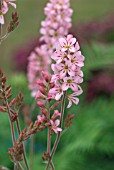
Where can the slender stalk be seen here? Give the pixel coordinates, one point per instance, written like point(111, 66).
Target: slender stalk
point(1, 24)
point(24, 153)
point(32, 152)
point(59, 133)
point(49, 138)
point(32, 138)
point(12, 130)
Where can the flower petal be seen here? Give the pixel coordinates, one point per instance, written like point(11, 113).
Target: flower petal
point(75, 100)
point(57, 122)
point(62, 41)
point(74, 86)
point(58, 96)
point(65, 86)
point(69, 104)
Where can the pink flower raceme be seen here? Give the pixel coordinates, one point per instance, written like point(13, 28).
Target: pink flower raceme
point(37, 63)
point(67, 69)
point(4, 8)
point(57, 23)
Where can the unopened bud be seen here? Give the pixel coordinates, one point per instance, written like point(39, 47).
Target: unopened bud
point(40, 104)
point(45, 76)
point(40, 82)
point(42, 90)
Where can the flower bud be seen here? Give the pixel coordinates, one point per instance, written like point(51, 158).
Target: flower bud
point(40, 104)
point(45, 76)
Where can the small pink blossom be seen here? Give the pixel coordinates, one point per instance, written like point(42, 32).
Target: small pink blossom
point(41, 119)
point(68, 43)
point(77, 60)
point(57, 91)
point(55, 115)
point(11, 2)
point(73, 99)
point(69, 82)
point(54, 126)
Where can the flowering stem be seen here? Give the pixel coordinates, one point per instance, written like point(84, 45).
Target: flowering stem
point(59, 133)
point(1, 24)
point(32, 152)
point(32, 139)
point(49, 138)
point(16, 164)
point(24, 153)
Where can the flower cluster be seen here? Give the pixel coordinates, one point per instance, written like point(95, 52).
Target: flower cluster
point(43, 101)
point(5, 7)
point(67, 69)
point(57, 23)
point(37, 63)
point(53, 123)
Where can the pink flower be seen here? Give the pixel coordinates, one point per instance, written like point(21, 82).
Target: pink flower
point(56, 113)
point(4, 7)
point(54, 125)
point(65, 68)
point(73, 99)
point(68, 43)
point(57, 91)
point(41, 119)
point(77, 60)
point(11, 2)
point(70, 82)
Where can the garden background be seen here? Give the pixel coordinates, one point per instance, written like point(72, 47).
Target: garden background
point(89, 143)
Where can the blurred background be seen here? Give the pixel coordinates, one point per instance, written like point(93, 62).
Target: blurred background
point(89, 143)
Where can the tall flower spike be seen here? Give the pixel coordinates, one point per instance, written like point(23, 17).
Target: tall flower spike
point(57, 23)
point(67, 69)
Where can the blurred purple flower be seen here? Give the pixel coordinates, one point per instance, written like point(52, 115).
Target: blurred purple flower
point(102, 82)
point(95, 30)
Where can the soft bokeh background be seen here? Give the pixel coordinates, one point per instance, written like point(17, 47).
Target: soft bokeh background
point(89, 143)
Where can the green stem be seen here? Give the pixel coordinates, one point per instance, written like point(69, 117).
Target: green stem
point(12, 130)
point(24, 153)
point(1, 24)
point(49, 138)
point(59, 133)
